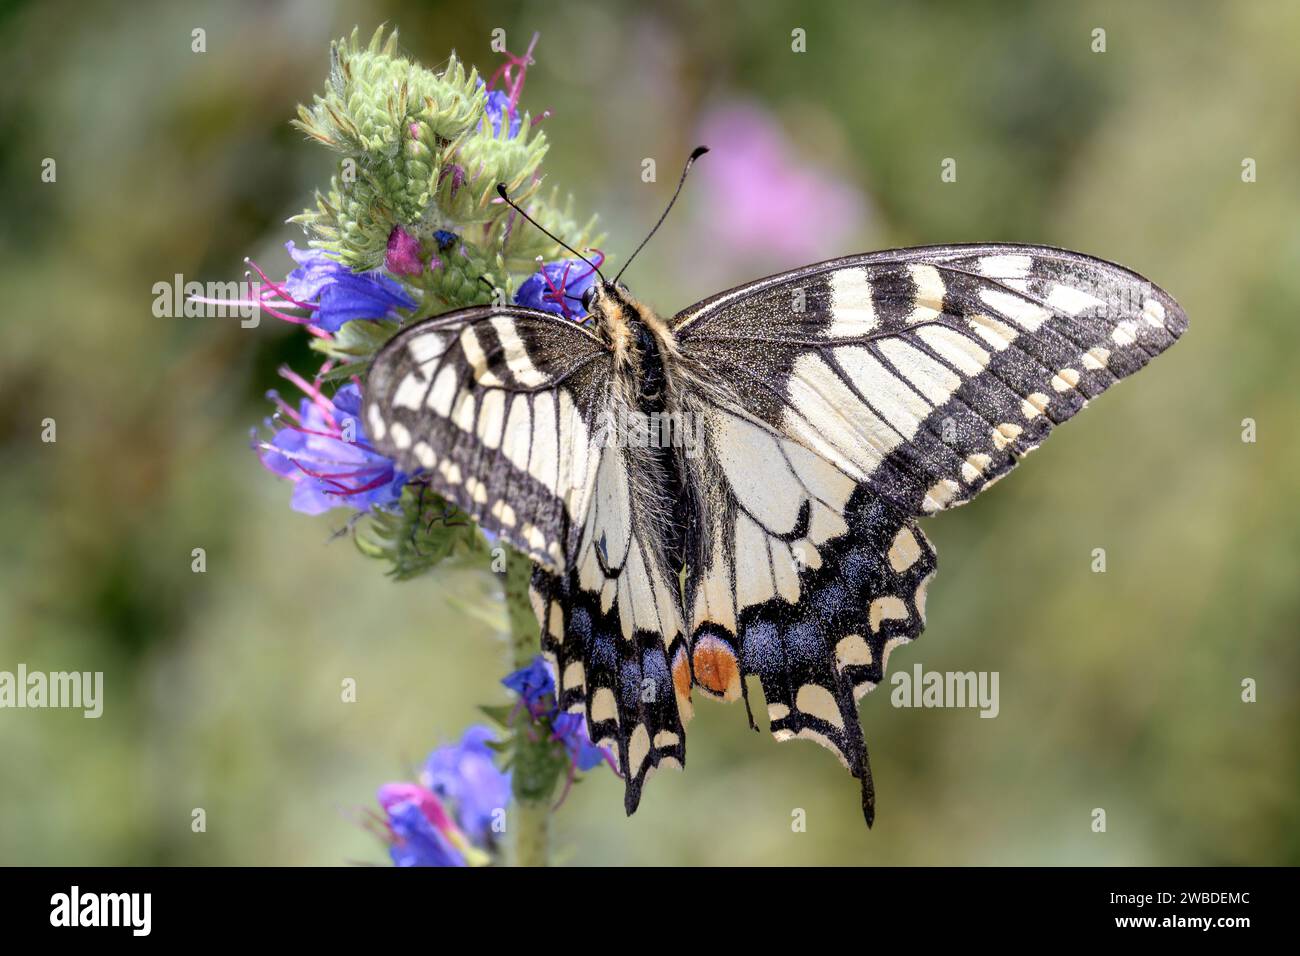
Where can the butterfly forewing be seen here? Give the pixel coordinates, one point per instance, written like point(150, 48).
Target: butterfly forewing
point(928, 372)
point(507, 413)
point(499, 410)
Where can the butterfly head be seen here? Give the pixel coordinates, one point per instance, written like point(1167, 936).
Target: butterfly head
point(604, 295)
point(613, 311)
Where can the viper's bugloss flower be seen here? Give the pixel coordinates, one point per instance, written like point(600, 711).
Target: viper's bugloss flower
point(559, 286)
point(465, 775)
point(536, 690)
point(446, 819)
point(502, 103)
point(499, 108)
point(321, 446)
point(571, 730)
point(535, 687)
point(339, 294)
point(403, 257)
point(470, 135)
point(413, 839)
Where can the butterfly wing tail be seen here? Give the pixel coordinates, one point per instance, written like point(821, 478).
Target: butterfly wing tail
point(625, 687)
point(815, 659)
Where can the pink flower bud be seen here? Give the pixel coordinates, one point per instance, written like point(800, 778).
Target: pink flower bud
point(403, 258)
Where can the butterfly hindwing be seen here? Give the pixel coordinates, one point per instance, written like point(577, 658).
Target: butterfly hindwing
point(801, 576)
point(612, 630)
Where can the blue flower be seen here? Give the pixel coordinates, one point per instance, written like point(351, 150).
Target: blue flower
point(498, 106)
point(466, 776)
point(558, 287)
point(536, 688)
point(446, 819)
point(322, 448)
point(339, 294)
point(416, 841)
point(505, 102)
point(533, 684)
point(571, 730)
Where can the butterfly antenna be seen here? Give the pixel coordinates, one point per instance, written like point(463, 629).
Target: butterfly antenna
point(501, 191)
point(695, 154)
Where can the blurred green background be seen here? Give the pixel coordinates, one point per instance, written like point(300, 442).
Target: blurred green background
point(1119, 690)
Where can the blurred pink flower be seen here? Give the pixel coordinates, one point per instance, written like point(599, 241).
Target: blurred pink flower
point(767, 202)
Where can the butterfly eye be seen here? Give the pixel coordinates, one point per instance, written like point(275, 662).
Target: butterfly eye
point(587, 296)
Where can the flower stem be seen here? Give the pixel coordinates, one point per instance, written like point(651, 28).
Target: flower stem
point(532, 833)
point(533, 780)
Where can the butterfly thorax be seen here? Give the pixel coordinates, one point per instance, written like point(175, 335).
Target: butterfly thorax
point(643, 345)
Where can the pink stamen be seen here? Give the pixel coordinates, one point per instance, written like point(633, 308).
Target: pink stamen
point(274, 299)
point(297, 320)
point(506, 73)
point(209, 300)
point(336, 479)
point(285, 316)
point(287, 409)
point(379, 482)
point(313, 392)
point(298, 456)
point(524, 63)
point(279, 289)
point(600, 261)
point(338, 476)
point(560, 295)
point(568, 785)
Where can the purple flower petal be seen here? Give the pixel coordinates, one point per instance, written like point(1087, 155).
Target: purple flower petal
point(417, 842)
point(467, 777)
point(343, 295)
point(531, 683)
point(498, 107)
point(558, 287)
point(328, 469)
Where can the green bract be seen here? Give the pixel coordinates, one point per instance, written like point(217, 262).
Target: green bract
point(417, 150)
point(425, 531)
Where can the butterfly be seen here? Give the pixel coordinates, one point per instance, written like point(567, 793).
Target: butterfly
point(736, 491)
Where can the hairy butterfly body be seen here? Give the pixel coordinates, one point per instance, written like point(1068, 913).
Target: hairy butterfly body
point(736, 491)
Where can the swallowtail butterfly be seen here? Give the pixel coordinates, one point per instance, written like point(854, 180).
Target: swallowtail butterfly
point(736, 490)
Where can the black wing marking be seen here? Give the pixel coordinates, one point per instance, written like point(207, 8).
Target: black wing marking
point(612, 630)
point(500, 408)
point(844, 400)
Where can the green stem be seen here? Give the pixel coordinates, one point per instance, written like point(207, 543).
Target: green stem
point(533, 765)
point(532, 833)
